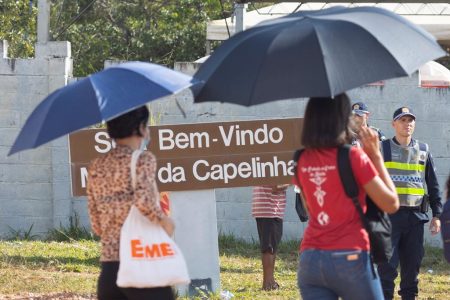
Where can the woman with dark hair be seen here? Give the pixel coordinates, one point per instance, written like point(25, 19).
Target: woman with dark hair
point(334, 253)
point(111, 195)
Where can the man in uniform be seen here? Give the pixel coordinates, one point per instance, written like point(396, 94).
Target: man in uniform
point(361, 119)
point(410, 165)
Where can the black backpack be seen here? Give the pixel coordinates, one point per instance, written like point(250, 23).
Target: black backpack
point(375, 221)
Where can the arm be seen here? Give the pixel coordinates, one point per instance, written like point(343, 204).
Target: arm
point(147, 195)
point(92, 207)
point(279, 188)
point(434, 195)
point(380, 189)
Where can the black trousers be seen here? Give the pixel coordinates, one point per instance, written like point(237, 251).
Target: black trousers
point(407, 243)
point(107, 288)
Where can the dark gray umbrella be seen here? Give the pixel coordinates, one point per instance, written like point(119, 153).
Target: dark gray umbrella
point(314, 54)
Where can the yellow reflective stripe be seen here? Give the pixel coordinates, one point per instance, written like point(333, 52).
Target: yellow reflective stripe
point(410, 191)
point(403, 166)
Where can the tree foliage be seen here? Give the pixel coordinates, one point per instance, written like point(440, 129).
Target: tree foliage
point(18, 26)
point(161, 31)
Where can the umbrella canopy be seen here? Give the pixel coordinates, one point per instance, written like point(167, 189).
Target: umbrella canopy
point(314, 54)
point(434, 75)
point(99, 97)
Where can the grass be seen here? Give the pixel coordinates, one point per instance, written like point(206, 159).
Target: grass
point(69, 270)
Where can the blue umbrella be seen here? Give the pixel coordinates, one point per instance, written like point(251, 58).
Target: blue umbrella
point(314, 54)
point(99, 97)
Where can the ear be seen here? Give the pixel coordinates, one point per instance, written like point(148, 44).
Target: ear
point(393, 124)
point(142, 129)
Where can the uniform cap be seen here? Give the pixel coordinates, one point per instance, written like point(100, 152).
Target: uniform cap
point(360, 108)
point(403, 111)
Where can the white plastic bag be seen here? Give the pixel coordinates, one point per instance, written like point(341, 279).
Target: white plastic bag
point(148, 256)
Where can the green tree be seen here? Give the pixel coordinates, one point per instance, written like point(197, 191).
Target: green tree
point(157, 31)
point(161, 31)
point(18, 26)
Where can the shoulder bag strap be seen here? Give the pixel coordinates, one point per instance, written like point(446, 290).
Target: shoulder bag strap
point(134, 159)
point(387, 154)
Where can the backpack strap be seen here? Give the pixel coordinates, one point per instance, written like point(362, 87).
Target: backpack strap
point(345, 172)
point(387, 154)
point(349, 182)
point(351, 188)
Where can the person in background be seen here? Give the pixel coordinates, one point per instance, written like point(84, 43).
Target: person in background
point(268, 207)
point(334, 253)
point(411, 167)
point(445, 221)
point(110, 197)
point(361, 119)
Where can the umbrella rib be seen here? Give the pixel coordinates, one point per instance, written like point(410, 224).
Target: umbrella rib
point(382, 44)
point(324, 66)
point(260, 67)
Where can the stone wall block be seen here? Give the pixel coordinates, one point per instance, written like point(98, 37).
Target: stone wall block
point(8, 136)
point(9, 84)
point(4, 45)
point(245, 229)
point(31, 67)
point(60, 155)
point(56, 82)
point(186, 67)
point(7, 191)
point(61, 174)
point(62, 66)
point(26, 207)
point(62, 208)
point(58, 49)
point(80, 208)
point(5, 159)
point(25, 173)
point(9, 118)
point(8, 66)
point(61, 143)
point(62, 191)
point(37, 156)
point(34, 191)
point(7, 101)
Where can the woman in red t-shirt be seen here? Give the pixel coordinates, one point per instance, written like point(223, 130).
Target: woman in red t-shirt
point(334, 254)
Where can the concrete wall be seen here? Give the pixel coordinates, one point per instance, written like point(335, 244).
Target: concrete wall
point(35, 185)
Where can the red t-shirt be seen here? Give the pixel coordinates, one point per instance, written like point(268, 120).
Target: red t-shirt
point(334, 223)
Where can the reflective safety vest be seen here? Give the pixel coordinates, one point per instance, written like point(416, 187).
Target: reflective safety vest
point(406, 166)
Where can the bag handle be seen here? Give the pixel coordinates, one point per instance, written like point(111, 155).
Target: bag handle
point(134, 159)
